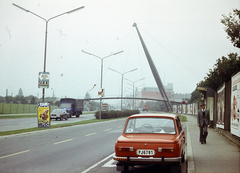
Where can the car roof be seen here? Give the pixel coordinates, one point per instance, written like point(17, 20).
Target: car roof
point(154, 115)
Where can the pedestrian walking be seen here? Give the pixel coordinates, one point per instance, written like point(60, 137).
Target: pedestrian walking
point(203, 120)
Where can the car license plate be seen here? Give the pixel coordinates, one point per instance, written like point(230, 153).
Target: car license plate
point(145, 152)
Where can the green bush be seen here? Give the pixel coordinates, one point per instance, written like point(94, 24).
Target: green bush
point(115, 114)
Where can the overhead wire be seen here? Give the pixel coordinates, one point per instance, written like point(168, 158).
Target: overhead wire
point(175, 57)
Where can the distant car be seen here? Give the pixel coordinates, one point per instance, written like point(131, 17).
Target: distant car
point(151, 139)
point(59, 114)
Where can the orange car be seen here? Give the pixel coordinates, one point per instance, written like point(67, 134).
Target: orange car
point(150, 139)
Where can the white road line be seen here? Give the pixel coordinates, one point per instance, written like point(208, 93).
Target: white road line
point(95, 165)
point(14, 154)
point(62, 141)
point(109, 164)
point(90, 134)
point(108, 129)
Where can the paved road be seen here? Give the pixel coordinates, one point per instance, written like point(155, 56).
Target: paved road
point(83, 148)
point(25, 123)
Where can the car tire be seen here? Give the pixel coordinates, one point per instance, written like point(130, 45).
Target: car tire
point(183, 158)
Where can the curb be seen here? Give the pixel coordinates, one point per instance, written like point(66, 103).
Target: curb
point(190, 158)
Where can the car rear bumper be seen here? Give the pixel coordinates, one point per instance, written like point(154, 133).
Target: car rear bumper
point(147, 159)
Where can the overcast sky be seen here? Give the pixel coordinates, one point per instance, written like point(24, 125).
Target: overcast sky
point(184, 38)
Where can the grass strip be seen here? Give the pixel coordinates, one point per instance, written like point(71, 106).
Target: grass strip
point(182, 118)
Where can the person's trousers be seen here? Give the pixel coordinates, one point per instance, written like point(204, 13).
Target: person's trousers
point(203, 132)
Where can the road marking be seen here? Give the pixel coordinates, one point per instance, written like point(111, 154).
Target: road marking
point(90, 134)
point(108, 129)
point(109, 164)
point(62, 141)
point(119, 126)
point(97, 163)
point(14, 154)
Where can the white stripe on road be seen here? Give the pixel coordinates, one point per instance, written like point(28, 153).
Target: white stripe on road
point(62, 141)
point(110, 164)
point(95, 165)
point(14, 154)
point(108, 129)
point(90, 134)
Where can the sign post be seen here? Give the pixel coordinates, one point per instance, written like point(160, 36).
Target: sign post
point(44, 114)
point(43, 80)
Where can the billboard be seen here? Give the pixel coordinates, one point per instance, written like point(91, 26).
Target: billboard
point(43, 115)
point(235, 104)
point(220, 106)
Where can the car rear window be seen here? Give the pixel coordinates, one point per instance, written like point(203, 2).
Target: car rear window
point(150, 125)
point(57, 111)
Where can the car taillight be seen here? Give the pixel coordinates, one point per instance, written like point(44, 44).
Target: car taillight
point(125, 149)
point(169, 150)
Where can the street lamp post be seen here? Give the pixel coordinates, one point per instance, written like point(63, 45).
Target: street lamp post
point(101, 72)
point(133, 86)
point(45, 50)
point(122, 81)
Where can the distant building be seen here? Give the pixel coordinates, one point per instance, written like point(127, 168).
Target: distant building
point(153, 92)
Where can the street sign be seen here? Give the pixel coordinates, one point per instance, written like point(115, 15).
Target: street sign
point(101, 92)
point(43, 80)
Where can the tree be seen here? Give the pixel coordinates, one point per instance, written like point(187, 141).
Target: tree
point(222, 71)
point(33, 101)
point(195, 96)
point(232, 27)
point(20, 92)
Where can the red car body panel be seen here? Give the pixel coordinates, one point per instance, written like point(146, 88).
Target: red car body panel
point(167, 148)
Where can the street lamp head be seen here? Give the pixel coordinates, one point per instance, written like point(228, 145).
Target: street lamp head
point(20, 7)
point(75, 10)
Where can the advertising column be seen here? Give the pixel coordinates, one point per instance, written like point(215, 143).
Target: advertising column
point(43, 115)
point(220, 106)
point(235, 105)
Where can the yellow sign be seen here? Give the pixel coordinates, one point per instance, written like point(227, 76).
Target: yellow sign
point(44, 115)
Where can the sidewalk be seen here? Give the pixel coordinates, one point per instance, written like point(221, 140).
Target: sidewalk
point(217, 156)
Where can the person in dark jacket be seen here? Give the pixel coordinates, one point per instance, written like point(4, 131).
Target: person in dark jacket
point(203, 120)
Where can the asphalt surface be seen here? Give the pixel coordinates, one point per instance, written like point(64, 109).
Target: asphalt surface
point(70, 149)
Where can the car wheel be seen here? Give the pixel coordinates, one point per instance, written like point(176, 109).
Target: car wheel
point(183, 158)
point(66, 118)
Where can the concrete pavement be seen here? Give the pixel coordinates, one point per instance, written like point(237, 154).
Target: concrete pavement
point(217, 156)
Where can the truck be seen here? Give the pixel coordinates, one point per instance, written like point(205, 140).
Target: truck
point(145, 108)
point(72, 106)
